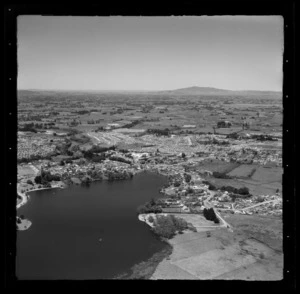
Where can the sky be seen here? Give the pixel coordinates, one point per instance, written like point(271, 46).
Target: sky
point(150, 53)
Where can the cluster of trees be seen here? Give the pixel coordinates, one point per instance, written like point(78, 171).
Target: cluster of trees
point(45, 177)
point(74, 123)
point(99, 129)
point(150, 207)
point(159, 132)
point(187, 177)
point(63, 162)
point(176, 184)
point(97, 153)
point(240, 191)
point(189, 191)
point(82, 112)
point(218, 142)
point(210, 214)
point(82, 139)
point(220, 175)
point(132, 124)
point(27, 128)
point(33, 158)
point(85, 181)
point(167, 226)
point(29, 182)
point(264, 138)
point(210, 185)
point(119, 175)
point(92, 121)
point(235, 192)
point(95, 174)
point(62, 148)
point(233, 136)
point(120, 159)
point(93, 156)
point(98, 149)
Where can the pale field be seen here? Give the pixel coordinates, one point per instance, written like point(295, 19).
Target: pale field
point(247, 253)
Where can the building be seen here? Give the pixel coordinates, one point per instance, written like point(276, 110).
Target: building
point(189, 126)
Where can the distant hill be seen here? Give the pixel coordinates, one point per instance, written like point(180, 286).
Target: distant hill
point(190, 91)
point(215, 91)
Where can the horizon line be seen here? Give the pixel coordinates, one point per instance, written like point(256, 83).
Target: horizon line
point(140, 90)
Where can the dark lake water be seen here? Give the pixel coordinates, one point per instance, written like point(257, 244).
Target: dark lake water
point(63, 241)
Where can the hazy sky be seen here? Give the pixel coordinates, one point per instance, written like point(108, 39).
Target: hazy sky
point(150, 53)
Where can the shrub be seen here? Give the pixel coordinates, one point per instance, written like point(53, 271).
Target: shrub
point(260, 199)
point(147, 208)
point(166, 226)
point(158, 132)
point(29, 182)
point(210, 186)
point(86, 180)
point(243, 191)
point(219, 175)
point(38, 179)
point(187, 177)
point(176, 184)
point(151, 219)
point(190, 190)
point(47, 185)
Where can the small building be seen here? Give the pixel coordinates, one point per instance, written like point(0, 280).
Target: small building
point(189, 126)
point(171, 210)
point(224, 124)
point(113, 125)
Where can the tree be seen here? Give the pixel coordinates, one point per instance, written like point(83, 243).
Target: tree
point(29, 182)
point(151, 219)
point(38, 179)
point(177, 184)
point(47, 185)
point(187, 177)
point(189, 190)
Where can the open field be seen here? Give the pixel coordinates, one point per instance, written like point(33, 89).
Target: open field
point(242, 254)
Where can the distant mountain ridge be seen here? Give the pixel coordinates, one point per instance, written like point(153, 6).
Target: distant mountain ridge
point(215, 91)
point(189, 91)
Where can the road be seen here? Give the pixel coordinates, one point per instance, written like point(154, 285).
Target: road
point(261, 203)
point(249, 207)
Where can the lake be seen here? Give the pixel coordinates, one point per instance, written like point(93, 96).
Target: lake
point(63, 240)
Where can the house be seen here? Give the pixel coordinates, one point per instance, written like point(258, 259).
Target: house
point(189, 126)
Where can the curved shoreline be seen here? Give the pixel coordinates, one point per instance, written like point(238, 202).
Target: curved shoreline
point(25, 223)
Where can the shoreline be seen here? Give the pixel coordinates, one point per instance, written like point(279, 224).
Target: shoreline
point(25, 223)
point(62, 185)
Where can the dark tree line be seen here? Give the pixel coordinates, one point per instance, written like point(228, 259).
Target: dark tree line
point(158, 132)
point(210, 214)
point(46, 177)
